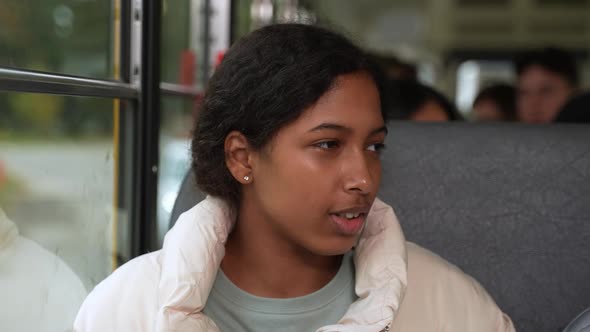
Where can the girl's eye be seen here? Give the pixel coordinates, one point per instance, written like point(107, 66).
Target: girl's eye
point(377, 147)
point(327, 145)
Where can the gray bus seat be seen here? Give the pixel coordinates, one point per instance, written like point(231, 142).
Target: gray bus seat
point(507, 203)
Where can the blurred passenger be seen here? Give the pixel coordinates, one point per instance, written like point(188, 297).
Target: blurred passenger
point(576, 110)
point(411, 100)
point(547, 78)
point(395, 68)
point(39, 292)
point(495, 103)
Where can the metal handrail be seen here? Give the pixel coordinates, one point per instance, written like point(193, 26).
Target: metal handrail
point(180, 90)
point(40, 82)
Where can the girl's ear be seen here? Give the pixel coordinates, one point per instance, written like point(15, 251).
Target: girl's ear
point(238, 156)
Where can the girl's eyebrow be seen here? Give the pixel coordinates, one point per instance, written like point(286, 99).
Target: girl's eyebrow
point(338, 127)
point(331, 126)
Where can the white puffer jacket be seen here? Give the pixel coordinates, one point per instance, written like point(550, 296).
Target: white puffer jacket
point(166, 291)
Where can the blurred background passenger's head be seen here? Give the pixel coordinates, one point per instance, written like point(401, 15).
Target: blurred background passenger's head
point(396, 69)
point(496, 102)
point(411, 100)
point(547, 78)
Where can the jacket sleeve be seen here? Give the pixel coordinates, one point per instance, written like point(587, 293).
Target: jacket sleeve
point(124, 302)
point(96, 312)
point(450, 298)
point(473, 306)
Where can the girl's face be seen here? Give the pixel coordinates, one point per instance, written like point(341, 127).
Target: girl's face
point(315, 182)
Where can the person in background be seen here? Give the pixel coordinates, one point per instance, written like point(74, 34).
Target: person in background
point(38, 291)
point(414, 101)
point(547, 78)
point(396, 69)
point(496, 102)
point(576, 110)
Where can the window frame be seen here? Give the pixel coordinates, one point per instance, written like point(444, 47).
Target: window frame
point(136, 26)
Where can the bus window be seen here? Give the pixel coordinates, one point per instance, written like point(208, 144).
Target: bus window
point(57, 189)
point(71, 37)
point(177, 119)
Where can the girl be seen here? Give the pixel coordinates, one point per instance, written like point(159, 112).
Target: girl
point(291, 236)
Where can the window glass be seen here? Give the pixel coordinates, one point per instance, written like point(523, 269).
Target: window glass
point(195, 37)
point(175, 133)
point(71, 37)
point(58, 232)
point(179, 58)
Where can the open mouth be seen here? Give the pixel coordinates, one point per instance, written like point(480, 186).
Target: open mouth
point(349, 215)
point(349, 223)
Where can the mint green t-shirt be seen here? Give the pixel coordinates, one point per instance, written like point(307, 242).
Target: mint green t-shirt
point(234, 310)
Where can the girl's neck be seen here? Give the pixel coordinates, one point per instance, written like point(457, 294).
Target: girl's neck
point(262, 263)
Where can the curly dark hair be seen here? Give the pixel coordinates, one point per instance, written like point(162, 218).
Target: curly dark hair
point(553, 59)
point(265, 81)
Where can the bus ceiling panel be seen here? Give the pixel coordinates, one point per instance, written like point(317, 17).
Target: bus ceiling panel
point(32, 81)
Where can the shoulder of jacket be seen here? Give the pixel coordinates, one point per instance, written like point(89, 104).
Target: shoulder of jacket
point(433, 271)
point(452, 295)
point(424, 259)
point(124, 301)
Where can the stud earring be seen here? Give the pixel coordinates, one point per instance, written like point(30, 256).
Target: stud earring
point(246, 178)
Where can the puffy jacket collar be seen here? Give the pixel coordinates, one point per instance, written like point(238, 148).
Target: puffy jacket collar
point(194, 248)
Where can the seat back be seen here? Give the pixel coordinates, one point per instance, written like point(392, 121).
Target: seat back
point(508, 204)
